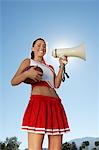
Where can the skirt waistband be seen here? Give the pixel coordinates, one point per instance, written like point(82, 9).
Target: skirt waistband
point(45, 97)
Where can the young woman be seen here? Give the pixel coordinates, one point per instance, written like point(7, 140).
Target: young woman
point(45, 112)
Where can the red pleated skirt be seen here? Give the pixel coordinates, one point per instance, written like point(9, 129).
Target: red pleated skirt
point(45, 114)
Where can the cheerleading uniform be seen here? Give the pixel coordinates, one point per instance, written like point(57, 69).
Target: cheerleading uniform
point(45, 114)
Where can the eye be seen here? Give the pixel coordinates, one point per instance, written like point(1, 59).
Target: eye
point(39, 45)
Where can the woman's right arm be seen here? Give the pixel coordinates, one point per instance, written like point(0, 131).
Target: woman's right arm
point(19, 76)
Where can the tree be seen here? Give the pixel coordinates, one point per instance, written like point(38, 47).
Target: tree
point(85, 145)
point(73, 146)
point(97, 144)
point(80, 148)
point(2, 146)
point(66, 146)
point(10, 144)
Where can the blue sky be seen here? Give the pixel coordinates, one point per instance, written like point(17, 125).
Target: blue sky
point(61, 24)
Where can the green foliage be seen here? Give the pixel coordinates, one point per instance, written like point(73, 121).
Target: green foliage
point(86, 143)
point(83, 145)
point(73, 146)
point(10, 144)
point(96, 143)
point(80, 148)
point(68, 146)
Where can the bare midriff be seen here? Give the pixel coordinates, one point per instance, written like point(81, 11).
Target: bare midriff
point(44, 90)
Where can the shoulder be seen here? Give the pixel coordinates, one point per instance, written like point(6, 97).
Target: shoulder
point(25, 63)
point(26, 60)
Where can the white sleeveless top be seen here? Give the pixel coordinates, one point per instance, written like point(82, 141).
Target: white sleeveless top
point(48, 73)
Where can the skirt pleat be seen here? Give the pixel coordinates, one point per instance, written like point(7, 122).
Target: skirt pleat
point(55, 117)
point(60, 117)
point(45, 114)
point(48, 115)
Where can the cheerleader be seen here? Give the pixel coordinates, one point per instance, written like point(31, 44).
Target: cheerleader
point(45, 113)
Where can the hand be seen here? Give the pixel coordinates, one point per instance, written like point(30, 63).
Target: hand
point(34, 74)
point(63, 60)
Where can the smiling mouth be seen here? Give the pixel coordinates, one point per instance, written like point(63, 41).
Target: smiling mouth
point(42, 50)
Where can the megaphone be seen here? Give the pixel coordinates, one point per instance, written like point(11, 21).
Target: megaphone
point(78, 51)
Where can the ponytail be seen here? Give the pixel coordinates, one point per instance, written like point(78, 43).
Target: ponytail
point(32, 55)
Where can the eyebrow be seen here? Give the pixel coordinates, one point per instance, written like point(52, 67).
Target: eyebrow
point(41, 43)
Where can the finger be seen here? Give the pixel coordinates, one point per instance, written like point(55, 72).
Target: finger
point(60, 59)
point(35, 80)
point(65, 58)
point(40, 73)
point(39, 77)
point(33, 67)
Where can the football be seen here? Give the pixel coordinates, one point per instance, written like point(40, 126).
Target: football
point(28, 80)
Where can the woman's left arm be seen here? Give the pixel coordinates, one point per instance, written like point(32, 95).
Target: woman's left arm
point(58, 77)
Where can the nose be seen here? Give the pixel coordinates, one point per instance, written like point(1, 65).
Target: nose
point(42, 47)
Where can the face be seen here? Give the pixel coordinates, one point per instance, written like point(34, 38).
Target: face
point(39, 48)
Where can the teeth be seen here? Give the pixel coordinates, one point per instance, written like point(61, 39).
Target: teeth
point(41, 51)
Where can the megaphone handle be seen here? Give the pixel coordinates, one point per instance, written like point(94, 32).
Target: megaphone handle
point(64, 73)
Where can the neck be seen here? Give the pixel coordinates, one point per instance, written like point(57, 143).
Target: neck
point(40, 59)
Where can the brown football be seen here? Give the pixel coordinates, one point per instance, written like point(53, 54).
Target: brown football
point(28, 80)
